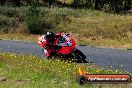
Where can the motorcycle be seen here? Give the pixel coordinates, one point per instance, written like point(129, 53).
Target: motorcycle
point(64, 51)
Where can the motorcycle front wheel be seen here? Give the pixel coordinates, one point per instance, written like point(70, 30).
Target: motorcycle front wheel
point(81, 58)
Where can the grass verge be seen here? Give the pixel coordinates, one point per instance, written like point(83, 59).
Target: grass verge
point(19, 37)
point(32, 72)
point(122, 43)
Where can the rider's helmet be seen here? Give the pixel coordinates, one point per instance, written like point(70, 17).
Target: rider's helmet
point(50, 36)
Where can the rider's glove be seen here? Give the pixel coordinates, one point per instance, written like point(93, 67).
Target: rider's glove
point(69, 43)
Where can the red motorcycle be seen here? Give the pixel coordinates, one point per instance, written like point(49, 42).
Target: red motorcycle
point(64, 51)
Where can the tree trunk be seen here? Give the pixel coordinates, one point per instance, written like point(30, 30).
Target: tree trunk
point(16, 3)
point(97, 4)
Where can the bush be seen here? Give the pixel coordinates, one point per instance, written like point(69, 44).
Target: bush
point(34, 24)
point(11, 18)
point(37, 23)
point(6, 23)
point(116, 6)
point(32, 19)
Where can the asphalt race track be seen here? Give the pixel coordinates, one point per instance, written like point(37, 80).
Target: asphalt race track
point(103, 57)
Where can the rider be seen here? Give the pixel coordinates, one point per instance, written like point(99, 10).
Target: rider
point(49, 38)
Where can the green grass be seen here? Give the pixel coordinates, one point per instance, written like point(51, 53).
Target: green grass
point(89, 27)
point(33, 72)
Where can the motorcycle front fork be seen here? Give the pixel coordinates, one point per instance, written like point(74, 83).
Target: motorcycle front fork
point(47, 55)
point(74, 55)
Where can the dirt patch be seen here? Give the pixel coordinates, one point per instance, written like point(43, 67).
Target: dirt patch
point(2, 79)
point(21, 81)
point(129, 85)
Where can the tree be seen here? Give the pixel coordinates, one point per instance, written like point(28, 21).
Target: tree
point(127, 5)
point(2, 2)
